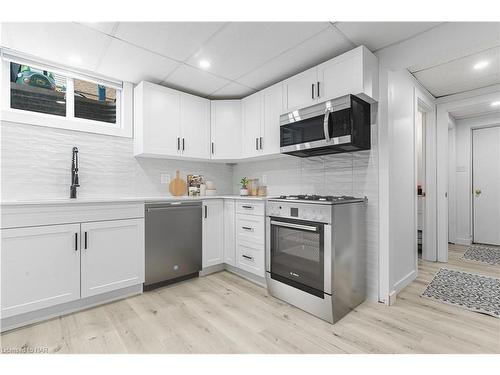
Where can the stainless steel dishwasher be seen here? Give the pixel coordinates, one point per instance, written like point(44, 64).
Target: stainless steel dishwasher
point(173, 242)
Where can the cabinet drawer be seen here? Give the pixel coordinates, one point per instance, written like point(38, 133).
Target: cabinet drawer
point(250, 208)
point(250, 228)
point(250, 258)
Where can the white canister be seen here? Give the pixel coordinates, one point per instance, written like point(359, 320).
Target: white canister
point(203, 190)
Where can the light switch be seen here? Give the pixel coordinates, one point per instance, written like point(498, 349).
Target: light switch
point(164, 178)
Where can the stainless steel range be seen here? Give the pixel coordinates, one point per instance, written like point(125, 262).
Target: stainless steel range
point(316, 253)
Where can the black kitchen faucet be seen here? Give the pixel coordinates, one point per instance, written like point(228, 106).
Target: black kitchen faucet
point(74, 174)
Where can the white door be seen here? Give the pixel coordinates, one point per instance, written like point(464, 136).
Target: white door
point(225, 129)
point(486, 184)
point(229, 231)
point(272, 108)
point(213, 235)
point(195, 126)
point(161, 120)
point(252, 118)
point(341, 76)
point(112, 255)
point(301, 90)
point(40, 267)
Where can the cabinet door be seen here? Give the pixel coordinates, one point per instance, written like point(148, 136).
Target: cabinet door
point(226, 129)
point(112, 255)
point(195, 126)
point(229, 231)
point(252, 119)
point(213, 235)
point(342, 75)
point(160, 120)
point(272, 108)
point(300, 90)
point(40, 267)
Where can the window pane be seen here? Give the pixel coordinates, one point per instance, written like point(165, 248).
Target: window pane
point(37, 90)
point(95, 102)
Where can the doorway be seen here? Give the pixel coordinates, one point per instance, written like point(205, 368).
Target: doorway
point(420, 177)
point(486, 185)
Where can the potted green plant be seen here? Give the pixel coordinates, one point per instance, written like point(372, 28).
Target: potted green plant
point(244, 185)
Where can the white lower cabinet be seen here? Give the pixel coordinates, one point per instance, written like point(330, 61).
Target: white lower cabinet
point(250, 257)
point(213, 232)
point(40, 267)
point(111, 258)
point(229, 232)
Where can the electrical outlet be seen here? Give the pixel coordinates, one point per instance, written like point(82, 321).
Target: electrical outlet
point(164, 178)
point(264, 179)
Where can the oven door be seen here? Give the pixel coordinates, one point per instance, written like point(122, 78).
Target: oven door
point(297, 254)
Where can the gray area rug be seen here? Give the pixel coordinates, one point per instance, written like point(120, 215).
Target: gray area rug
point(482, 254)
point(466, 290)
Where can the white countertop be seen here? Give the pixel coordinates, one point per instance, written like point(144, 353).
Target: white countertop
point(87, 200)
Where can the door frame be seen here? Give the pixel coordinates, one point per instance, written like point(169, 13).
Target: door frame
point(471, 168)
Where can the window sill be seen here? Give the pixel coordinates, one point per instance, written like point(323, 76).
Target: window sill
point(53, 121)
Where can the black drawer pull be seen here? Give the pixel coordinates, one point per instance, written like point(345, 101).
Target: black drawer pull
point(247, 228)
point(247, 257)
point(248, 207)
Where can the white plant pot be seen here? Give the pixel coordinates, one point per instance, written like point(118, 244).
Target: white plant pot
point(243, 192)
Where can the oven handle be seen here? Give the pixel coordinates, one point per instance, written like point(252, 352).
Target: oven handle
point(325, 125)
point(295, 226)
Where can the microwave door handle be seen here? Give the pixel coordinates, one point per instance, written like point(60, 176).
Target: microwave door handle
point(325, 125)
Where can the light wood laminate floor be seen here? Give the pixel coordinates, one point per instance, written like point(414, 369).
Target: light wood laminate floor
point(222, 313)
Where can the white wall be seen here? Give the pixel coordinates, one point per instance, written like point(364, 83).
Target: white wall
point(462, 204)
point(35, 163)
point(350, 174)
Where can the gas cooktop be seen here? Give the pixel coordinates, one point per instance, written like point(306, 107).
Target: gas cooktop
point(318, 198)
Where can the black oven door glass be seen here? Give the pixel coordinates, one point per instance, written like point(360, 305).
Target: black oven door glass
point(297, 255)
point(308, 130)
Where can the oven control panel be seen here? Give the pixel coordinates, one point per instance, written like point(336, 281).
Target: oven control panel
point(321, 213)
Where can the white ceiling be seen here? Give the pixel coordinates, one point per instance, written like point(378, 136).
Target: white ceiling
point(480, 109)
point(459, 75)
point(244, 56)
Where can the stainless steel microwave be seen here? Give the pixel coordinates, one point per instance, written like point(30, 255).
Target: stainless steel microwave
point(335, 126)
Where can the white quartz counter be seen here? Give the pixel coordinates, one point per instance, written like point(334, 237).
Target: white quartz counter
point(87, 200)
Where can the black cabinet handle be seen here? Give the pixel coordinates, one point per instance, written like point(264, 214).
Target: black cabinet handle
point(247, 257)
point(248, 207)
point(317, 89)
point(212, 148)
point(312, 91)
point(256, 143)
point(85, 240)
point(76, 241)
point(247, 228)
point(206, 212)
point(178, 143)
point(260, 143)
point(183, 145)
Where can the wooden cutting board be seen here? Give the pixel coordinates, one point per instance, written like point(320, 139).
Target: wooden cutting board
point(177, 186)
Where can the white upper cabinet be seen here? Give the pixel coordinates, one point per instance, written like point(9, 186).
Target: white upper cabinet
point(225, 129)
point(170, 123)
point(252, 119)
point(354, 72)
point(261, 122)
point(195, 127)
point(156, 120)
point(272, 108)
point(40, 267)
point(300, 90)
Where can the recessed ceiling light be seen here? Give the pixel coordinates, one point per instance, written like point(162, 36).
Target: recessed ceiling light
point(495, 104)
point(204, 64)
point(481, 65)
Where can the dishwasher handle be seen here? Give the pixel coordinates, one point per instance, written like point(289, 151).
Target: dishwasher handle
point(173, 205)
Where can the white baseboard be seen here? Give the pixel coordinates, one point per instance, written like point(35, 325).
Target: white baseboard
point(463, 241)
point(405, 281)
